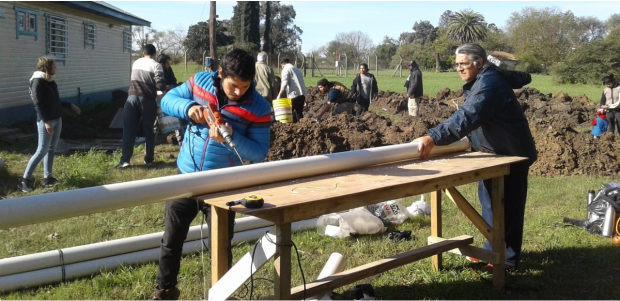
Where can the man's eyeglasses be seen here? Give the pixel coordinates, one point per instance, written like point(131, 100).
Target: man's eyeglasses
point(462, 65)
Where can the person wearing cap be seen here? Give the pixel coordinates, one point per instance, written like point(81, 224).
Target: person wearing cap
point(264, 78)
point(414, 88)
point(339, 95)
point(599, 124)
point(364, 88)
point(610, 101)
point(294, 86)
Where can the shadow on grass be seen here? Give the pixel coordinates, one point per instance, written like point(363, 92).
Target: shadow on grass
point(571, 273)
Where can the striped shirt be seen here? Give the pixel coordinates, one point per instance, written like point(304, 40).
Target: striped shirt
point(146, 75)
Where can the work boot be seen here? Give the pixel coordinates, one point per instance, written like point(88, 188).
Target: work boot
point(49, 181)
point(171, 293)
point(25, 185)
point(122, 165)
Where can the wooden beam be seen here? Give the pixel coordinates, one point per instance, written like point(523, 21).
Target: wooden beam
point(436, 225)
point(469, 211)
point(219, 243)
point(364, 271)
point(282, 262)
point(482, 254)
point(498, 241)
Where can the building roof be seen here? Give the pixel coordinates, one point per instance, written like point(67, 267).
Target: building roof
point(107, 10)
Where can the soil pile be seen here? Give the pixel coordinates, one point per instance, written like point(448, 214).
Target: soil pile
point(559, 123)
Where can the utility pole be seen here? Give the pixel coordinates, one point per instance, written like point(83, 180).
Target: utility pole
point(212, 44)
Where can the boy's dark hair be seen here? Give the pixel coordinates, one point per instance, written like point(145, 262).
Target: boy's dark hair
point(323, 82)
point(240, 64)
point(609, 79)
point(149, 49)
point(285, 61)
point(162, 59)
point(365, 65)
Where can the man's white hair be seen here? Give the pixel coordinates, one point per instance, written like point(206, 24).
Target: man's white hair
point(261, 57)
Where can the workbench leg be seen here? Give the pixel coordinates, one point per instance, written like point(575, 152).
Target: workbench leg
point(436, 225)
point(219, 243)
point(498, 242)
point(282, 262)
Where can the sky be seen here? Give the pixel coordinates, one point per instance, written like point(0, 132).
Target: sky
point(321, 21)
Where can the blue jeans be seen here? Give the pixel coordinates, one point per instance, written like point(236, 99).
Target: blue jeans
point(515, 195)
point(135, 108)
point(45, 149)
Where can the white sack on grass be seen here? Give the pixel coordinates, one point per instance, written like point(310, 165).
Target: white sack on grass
point(419, 208)
point(357, 221)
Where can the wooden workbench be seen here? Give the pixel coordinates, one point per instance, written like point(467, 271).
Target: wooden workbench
point(296, 200)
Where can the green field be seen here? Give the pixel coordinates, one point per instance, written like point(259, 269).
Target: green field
point(433, 82)
point(559, 262)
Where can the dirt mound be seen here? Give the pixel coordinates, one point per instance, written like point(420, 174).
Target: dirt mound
point(559, 123)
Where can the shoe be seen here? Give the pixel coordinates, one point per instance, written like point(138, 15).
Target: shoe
point(49, 181)
point(25, 185)
point(149, 164)
point(489, 268)
point(172, 293)
point(122, 165)
point(472, 259)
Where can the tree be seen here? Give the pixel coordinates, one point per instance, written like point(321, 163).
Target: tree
point(466, 27)
point(612, 22)
point(444, 19)
point(496, 39)
point(589, 29)
point(246, 25)
point(267, 29)
point(285, 36)
point(443, 47)
point(424, 31)
point(197, 40)
point(422, 54)
point(385, 51)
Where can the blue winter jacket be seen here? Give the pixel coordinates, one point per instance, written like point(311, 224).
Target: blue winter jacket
point(491, 117)
point(600, 127)
point(250, 120)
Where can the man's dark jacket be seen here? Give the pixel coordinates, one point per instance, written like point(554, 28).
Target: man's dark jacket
point(414, 87)
point(492, 117)
point(356, 87)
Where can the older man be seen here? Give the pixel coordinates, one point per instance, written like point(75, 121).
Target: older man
point(493, 120)
point(293, 84)
point(265, 80)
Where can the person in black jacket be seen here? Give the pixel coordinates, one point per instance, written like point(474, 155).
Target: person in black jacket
point(365, 88)
point(494, 121)
point(414, 88)
point(47, 104)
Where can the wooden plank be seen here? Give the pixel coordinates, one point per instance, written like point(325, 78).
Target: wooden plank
point(219, 243)
point(482, 254)
point(282, 262)
point(469, 211)
point(352, 275)
point(498, 242)
point(436, 226)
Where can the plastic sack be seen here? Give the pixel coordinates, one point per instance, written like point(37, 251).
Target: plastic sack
point(390, 212)
point(419, 207)
point(357, 221)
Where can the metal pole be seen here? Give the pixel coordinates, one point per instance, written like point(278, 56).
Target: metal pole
point(212, 40)
point(376, 64)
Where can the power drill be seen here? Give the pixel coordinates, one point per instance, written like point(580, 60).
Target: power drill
point(251, 202)
point(214, 119)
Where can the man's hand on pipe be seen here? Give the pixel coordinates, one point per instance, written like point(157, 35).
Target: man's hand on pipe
point(425, 145)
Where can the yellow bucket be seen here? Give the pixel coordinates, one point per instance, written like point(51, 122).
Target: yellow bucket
point(283, 110)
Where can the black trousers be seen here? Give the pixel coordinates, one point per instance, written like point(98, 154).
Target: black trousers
point(515, 195)
point(364, 105)
point(613, 116)
point(298, 107)
point(179, 215)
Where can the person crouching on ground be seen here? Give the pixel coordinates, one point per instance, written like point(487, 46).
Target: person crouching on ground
point(338, 95)
point(599, 124)
point(248, 118)
point(47, 104)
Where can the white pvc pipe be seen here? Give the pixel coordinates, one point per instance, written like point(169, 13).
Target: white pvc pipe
point(87, 268)
point(37, 261)
point(64, 204)
point(336, 263)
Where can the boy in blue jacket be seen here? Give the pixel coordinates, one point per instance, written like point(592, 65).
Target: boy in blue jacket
point(248, 118)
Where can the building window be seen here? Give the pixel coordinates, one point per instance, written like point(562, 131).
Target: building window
point(126, 40)
point(26, 22)
point(90, 34)
point(56, 37)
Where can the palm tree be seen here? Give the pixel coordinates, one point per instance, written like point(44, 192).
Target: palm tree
point(466, 26)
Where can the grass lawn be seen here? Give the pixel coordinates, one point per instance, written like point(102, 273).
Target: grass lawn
point(433, 82)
